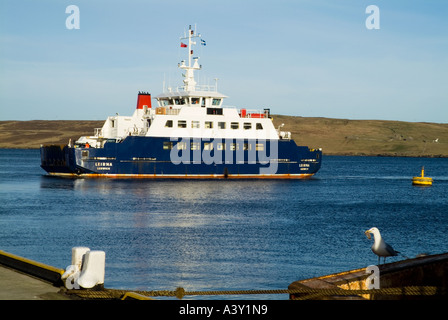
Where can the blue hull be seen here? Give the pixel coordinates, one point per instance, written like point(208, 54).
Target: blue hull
point(151, 157)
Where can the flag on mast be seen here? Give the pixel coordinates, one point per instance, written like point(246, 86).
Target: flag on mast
point(203, 42)
point(183, 45)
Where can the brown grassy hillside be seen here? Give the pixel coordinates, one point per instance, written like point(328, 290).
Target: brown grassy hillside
point(368, 137)
point(334, 136)
point(31, 134)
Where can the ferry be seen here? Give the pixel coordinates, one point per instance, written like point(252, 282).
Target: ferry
point(186, 133)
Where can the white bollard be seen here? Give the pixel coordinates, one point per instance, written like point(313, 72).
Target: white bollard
point(93, 269)
point(73, 271)
point(77, 255)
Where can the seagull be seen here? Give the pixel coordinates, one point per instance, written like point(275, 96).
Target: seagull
point(379, 247)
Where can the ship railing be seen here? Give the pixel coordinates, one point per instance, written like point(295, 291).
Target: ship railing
point(136, 131)
point(143, 131)
point(198, 87)
point(284, 135)
point(254, 113)
point(168, 111)
point(251, 113)
point(98, 132)
point(172, 111)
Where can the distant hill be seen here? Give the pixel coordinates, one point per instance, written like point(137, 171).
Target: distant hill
point(334, 136)
point(368, 137)
point(31, 134)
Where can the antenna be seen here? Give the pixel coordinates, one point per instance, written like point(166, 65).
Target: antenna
point(190, 83)
point(216, 84)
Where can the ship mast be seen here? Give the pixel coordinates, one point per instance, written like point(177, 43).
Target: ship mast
point(190, 83)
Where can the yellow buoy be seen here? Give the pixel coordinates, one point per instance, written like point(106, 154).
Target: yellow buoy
point(422, 180)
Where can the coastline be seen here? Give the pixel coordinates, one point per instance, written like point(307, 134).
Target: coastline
point(341, 137)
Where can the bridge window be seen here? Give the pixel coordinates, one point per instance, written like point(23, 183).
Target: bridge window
point(216, 102)
point(234, 125)
point(209, 124)
point(216, 111)
point(259, 126)
point(164, 102)
point(221, 125)
point(169, 124)
point(247, 125)
point(179, 101)
point(181, 124)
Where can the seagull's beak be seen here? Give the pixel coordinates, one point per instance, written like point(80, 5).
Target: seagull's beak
point(367, 233)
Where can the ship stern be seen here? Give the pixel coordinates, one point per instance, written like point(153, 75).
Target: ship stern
point(58, 160)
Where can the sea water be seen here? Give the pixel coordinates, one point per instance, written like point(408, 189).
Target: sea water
point(208, 235)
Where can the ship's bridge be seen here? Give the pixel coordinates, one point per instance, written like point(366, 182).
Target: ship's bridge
point(206, 99)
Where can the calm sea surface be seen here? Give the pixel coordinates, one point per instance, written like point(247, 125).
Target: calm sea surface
point(224, 235)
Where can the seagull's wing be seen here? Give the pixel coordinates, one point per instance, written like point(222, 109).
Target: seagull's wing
point(391, 250)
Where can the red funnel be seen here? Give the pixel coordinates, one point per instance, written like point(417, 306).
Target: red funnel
point(144, 99)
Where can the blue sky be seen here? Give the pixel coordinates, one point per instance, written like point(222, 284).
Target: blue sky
point(310, 58)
